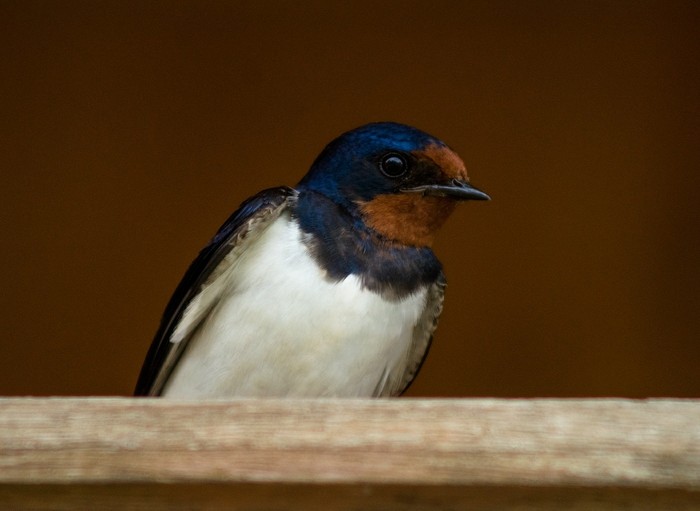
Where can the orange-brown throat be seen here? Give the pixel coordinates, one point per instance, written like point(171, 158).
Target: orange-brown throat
point(409, 219)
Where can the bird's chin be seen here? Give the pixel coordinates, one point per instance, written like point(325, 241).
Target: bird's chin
point(410, 219)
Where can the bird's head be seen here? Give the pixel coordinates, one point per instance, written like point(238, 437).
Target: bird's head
point(402, 182)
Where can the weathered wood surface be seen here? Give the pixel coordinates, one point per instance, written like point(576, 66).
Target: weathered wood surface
point(122, 453)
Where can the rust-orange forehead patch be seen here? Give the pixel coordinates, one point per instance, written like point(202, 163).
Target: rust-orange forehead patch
point(444, 157)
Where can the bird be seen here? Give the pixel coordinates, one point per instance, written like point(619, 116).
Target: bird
point(326, 289)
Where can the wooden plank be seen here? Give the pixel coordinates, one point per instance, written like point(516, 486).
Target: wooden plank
point(368, 454)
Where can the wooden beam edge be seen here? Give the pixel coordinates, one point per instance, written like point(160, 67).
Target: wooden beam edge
point(593, 443)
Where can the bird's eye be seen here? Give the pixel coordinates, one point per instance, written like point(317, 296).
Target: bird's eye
point(393, 165)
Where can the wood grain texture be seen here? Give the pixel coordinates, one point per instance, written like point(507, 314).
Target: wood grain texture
point(66, 453)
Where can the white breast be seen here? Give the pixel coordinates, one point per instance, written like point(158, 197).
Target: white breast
point(280, 328)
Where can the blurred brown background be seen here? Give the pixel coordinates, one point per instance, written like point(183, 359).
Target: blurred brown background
point(130, 130)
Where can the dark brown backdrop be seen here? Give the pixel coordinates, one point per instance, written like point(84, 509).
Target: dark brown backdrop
point(130, 131)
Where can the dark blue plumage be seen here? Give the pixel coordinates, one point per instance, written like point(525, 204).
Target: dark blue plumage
point(345, 171)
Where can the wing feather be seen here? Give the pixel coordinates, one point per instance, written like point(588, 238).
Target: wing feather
point(422, 336)
point(196, 294)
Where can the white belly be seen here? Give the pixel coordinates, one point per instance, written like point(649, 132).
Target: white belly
point(280, 328)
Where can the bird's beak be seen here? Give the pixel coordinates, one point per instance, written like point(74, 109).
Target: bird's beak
point(456, 188)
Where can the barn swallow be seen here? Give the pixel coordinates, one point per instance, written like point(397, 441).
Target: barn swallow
point(327, 289)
